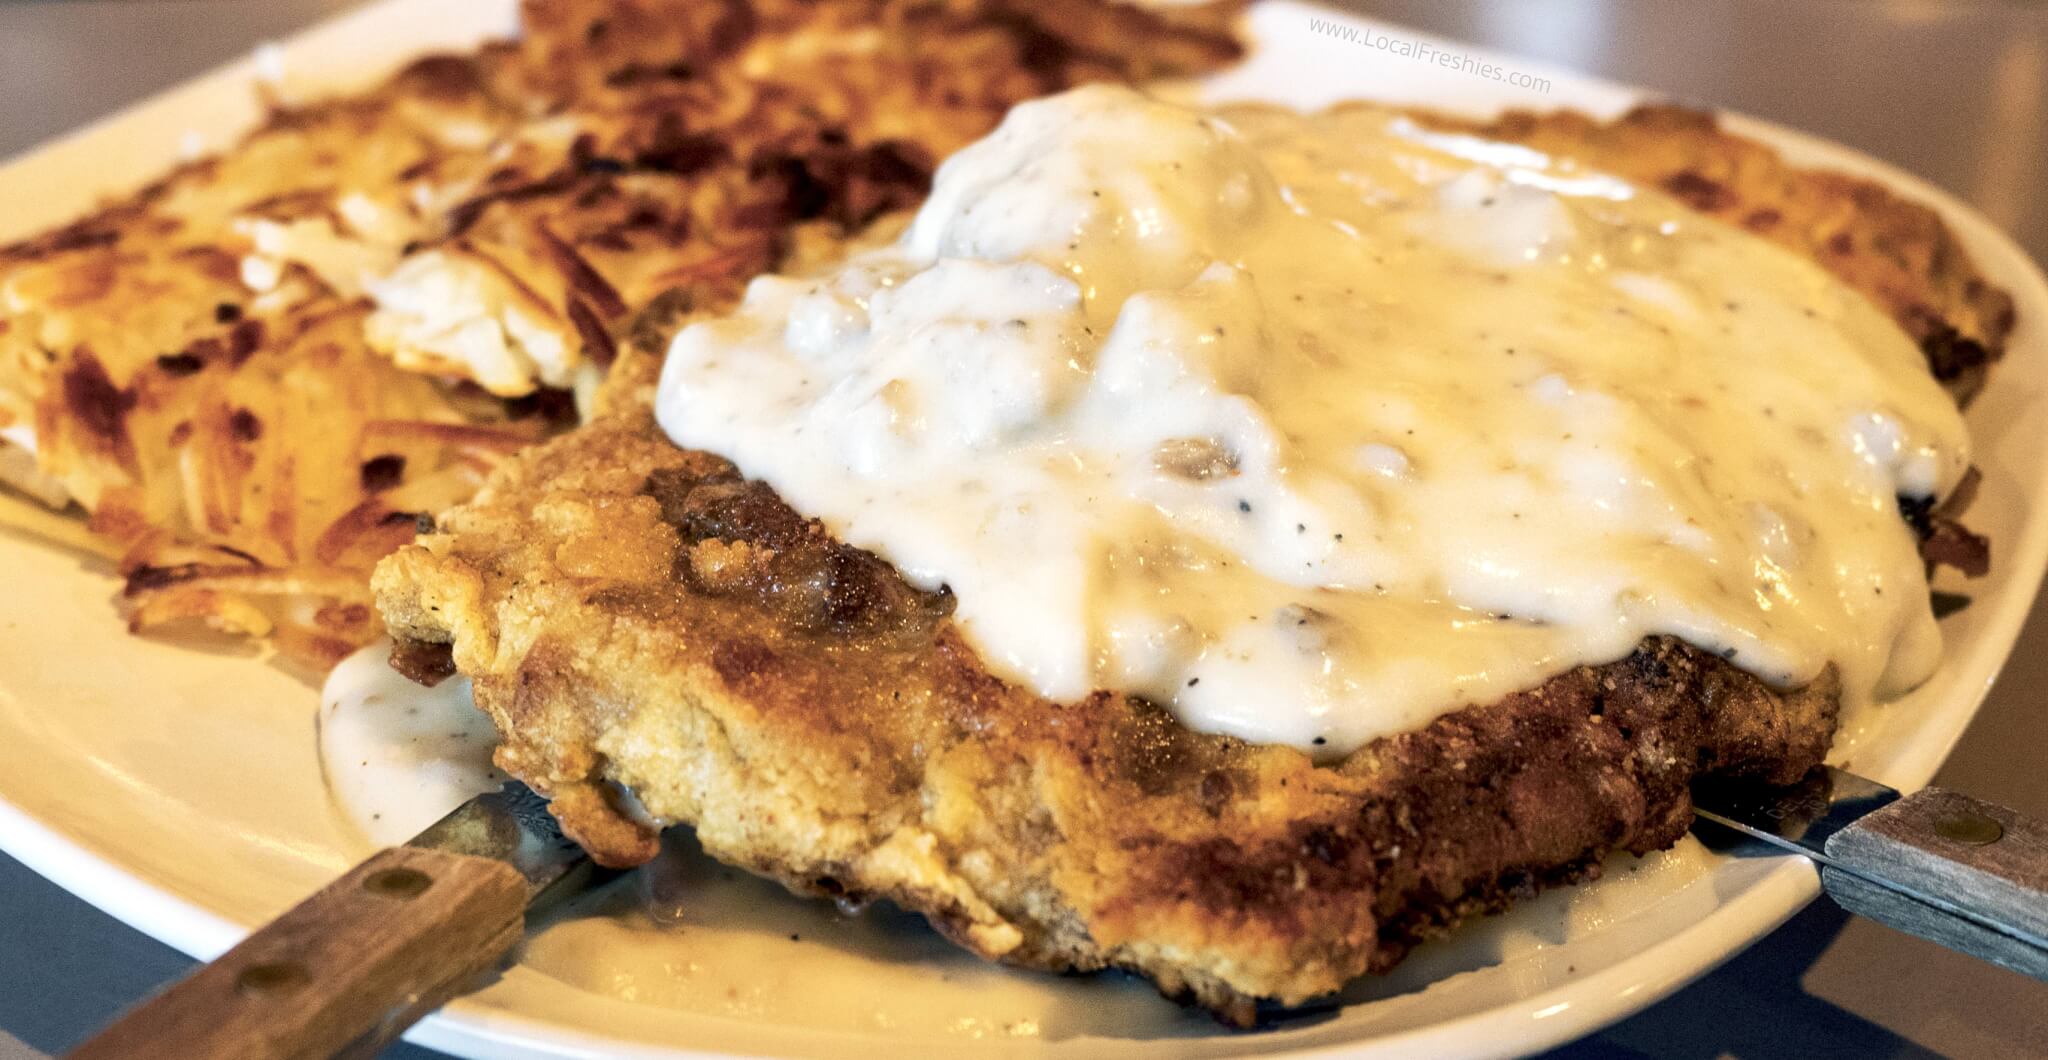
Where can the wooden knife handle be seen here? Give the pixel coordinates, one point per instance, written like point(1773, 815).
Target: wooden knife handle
point(343, 972)
point(1970, 875)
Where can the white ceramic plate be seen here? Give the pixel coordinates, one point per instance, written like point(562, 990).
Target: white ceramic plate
point(177, 786)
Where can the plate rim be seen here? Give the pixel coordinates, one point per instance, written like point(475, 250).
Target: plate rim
point(1562, 1013)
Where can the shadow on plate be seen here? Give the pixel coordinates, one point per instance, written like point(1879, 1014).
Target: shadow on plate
point(1754, 1006)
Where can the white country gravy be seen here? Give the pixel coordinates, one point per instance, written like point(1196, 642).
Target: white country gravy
point(1318, 426)
point(397, 754)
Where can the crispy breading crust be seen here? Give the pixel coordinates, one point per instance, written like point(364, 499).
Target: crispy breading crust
point(634, 614)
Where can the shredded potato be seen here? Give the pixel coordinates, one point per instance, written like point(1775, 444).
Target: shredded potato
point(258, 374)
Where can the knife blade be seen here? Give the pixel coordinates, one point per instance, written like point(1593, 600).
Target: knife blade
point(513, 825)
point(1968, 874)
point(344, 972)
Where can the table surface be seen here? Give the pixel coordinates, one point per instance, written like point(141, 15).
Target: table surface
point(1955, 91)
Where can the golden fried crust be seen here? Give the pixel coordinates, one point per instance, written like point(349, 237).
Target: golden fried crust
point(1895, 251)
point(635, 614)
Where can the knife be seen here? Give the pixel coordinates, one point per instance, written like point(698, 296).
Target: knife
point(346, 971)
point(1970, 875)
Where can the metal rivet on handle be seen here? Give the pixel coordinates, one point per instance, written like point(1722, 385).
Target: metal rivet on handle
point(400, 883)
point(1969, 826)
point(272, 978)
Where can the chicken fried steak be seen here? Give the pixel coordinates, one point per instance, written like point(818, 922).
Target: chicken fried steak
point(637, 614)
point(642, 618)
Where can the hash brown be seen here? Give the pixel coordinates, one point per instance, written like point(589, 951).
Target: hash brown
point(255, 372)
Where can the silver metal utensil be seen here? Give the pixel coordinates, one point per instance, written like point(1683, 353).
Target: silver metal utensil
point(1970, 875)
